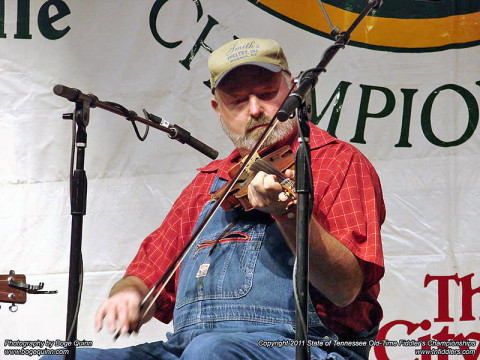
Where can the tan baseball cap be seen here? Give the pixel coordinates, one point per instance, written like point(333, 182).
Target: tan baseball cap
point(265, 53)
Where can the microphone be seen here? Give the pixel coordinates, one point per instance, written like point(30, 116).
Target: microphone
point(183, 136)
point(74, 95)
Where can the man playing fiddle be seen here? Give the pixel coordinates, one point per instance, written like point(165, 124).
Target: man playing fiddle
point(230, 299)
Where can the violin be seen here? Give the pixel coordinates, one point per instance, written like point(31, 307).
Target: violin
point(275, 163)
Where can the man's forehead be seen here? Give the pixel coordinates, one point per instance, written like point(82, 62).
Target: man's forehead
point(247, 77)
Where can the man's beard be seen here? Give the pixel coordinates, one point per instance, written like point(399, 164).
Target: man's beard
point(282, 131)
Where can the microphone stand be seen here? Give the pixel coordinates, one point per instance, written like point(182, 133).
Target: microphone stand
point(78, 195)
point(294, 101)
point(78, 203)
point(304, 190)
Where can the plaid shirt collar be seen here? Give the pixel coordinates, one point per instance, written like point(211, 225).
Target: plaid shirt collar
point(318, 138)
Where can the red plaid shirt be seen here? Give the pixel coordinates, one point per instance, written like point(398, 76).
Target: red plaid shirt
point(348, 202)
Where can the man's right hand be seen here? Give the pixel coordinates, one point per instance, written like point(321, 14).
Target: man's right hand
point(122, 309)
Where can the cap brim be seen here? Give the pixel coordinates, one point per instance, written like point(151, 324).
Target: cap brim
point(271, 67)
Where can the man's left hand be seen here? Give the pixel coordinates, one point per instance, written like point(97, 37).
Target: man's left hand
point(266, 194)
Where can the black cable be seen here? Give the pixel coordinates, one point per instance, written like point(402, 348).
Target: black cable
point(295, 295)
point(309, 168)
point(130, 116)
point(79, 296)
point(72, 157)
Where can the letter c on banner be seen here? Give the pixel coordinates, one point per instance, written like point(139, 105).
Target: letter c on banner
point(153, 22)
point(380, 351)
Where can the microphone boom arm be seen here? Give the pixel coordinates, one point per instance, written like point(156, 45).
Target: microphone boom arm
point(174, 131)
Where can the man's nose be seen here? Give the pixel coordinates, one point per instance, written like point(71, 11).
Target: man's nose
point(255, 107)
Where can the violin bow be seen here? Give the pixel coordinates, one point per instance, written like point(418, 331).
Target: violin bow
point(174, 265)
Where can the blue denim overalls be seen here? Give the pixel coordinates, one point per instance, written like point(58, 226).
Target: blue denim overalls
point(244, 283)
point(232, 298)
point(248, 276)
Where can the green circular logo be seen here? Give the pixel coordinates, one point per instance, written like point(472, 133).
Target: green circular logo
point(398, 25)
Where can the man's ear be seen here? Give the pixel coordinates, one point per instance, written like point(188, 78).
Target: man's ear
point(215, 106)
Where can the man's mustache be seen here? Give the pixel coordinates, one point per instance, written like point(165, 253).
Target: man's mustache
point(255, 122)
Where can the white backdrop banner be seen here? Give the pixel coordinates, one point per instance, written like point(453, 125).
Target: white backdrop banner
point(405, 92)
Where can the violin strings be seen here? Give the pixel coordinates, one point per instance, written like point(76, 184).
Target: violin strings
point(262, 165)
